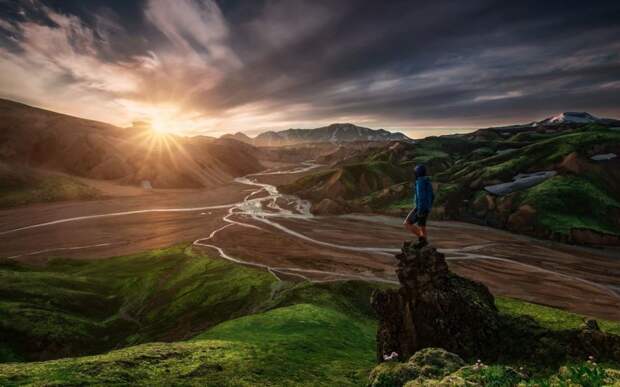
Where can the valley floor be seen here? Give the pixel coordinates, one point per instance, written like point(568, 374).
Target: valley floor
point(249, 222)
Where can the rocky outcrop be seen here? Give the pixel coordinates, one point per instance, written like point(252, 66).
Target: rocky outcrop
point(434, 308)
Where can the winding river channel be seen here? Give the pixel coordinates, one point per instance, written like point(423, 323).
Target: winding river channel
point(265, 209)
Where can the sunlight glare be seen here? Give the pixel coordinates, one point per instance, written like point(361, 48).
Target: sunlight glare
point(160, 126)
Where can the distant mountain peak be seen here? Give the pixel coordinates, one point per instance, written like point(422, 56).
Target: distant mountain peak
point(570, 118)
point(574, 118)
point(335, 133)
point(239, 136)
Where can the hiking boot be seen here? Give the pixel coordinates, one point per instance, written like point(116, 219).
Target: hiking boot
point(421, 243)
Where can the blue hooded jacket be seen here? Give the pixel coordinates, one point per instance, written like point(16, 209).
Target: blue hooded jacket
point(424, 195)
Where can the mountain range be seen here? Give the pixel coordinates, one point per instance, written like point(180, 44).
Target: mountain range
point(334, 133)
point(506, 177)
point(558, 179)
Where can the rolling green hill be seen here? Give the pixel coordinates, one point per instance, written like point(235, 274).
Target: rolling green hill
point(174, 317)
point(268, 330)
point(20, 185)
point(581, 204)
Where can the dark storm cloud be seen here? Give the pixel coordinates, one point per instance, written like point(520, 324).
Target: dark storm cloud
point(488, 52)
point(399, 64)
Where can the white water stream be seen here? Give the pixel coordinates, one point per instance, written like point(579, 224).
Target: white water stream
point(266, 209)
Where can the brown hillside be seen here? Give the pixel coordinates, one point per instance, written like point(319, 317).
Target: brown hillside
point(44, 139)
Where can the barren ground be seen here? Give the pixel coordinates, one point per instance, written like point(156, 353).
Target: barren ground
point(272, 232)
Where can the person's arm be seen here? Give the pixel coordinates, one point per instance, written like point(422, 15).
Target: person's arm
point(419, 196)
point(427, 199)
point(422, 198)
point(432, 195)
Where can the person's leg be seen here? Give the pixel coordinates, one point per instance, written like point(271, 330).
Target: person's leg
point(415, 230)
point(423, 232)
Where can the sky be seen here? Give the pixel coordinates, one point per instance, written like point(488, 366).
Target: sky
point(213, 67)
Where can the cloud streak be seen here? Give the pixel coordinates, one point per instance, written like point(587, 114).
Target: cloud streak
point(201, 66)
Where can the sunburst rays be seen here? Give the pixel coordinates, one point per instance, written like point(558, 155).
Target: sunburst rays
point(161, 147)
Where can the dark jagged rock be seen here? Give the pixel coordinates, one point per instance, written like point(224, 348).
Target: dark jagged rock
point(590, 340)
point(434, 308)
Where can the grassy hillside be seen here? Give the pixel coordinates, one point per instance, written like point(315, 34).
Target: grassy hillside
point(584, 196)
point(71, 308)
point(580, 205)
point(85, 148)
point(220, 323)
point(75, 307)
point(303, 344)
point(348, 181)
point(21, 185)
point(589, 205)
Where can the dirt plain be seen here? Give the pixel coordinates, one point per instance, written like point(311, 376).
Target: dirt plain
point(324, 248)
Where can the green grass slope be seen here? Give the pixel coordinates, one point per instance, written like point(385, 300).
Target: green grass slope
point(580, 205)
point(349, 181)
point(567, 202)
point(302, 344)
point(186, 319)
point(550, 318)
point(584, 196)
point(291, 332)
point(21, 185)
point(78, 307)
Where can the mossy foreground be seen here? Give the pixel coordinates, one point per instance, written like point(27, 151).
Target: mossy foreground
point(437, 367)
point(170, 317)
point(269, 332)
point(302, 344)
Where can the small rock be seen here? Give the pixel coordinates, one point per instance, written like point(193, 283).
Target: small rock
point(590, 324)
point(520, 182)
point(604, 157)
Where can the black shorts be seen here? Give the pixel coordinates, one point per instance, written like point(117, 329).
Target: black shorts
point(413, 217)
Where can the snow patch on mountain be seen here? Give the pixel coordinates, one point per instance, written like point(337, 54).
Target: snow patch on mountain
point(569, 118)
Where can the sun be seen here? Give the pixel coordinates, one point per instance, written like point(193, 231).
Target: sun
point(160, 126)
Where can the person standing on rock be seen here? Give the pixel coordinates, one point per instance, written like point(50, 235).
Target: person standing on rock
point(415, 222)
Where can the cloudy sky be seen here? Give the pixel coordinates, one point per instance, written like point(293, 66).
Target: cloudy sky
point(206, 66)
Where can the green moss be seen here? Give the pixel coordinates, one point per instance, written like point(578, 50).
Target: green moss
point(566, 202)
point(325, 344)
point(86, 307)
point(244, 327)
point(376, 175)
point(427, 363)
point(307, 181)
point(445, 191)
point(292, 334)
point(579, 374)
point(45, 189)
point(540, 155)
point(550, 318)
point(392, 374)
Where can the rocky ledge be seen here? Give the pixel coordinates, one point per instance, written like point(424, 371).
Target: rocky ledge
point(433, 308)
point(436, 308)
